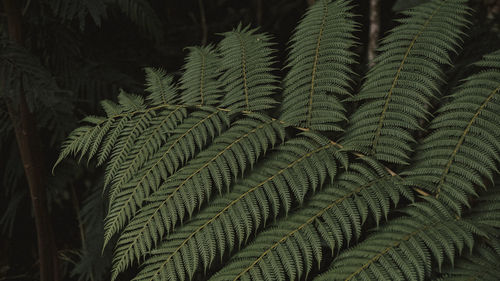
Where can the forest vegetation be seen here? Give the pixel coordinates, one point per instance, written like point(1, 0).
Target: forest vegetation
point(280, 140)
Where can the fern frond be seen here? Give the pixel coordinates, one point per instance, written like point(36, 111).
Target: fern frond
point(480, 265)
point(160, 86)
point(148, 144)
point(213, 169)
point(406, 76)
point(199, 80)
point(198, 129)
point(405, 247)
point(228, 221)
point(319, 62)
point(289, 249)
point(464, 146)
point(246, 66)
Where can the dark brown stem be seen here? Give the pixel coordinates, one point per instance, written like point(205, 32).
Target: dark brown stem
point(374, 31)
point(31, 156)
point(204, 27)
point(310, 2)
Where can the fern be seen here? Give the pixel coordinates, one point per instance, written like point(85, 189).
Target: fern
point(246, 70)
point(402, 249)
point(406, 76)
point(199, 79)
point(464, 146)
point(289, 249)
point(230, 220)
point(481, 265)
point(319, 68)
point(201, 173)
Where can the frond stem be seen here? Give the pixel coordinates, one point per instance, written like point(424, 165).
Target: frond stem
point(309, 221)
point(315, 65)
point(394, 82)
point(462, 139)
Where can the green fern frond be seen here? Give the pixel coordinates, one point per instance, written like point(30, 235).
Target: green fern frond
point(405, 247)
point(289, 249)
point(229, 221)
point(480, 265)
point(161, 87)
point(213, 169)
point(199, 80)
point(198, 129)
point(406, 76)
point(464, 146)
point(319, 62)
point(246, 66)
point(148, 144)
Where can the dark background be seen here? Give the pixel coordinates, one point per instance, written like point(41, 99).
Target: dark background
point(88, 50)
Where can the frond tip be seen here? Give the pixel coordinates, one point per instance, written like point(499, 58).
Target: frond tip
point(319, 67)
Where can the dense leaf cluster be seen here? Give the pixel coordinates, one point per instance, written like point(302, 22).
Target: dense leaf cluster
point(208, 171)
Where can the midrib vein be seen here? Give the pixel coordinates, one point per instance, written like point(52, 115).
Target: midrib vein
point(394, 82)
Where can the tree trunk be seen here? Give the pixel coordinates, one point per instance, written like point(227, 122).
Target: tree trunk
point(374, 31)
point(31, 156)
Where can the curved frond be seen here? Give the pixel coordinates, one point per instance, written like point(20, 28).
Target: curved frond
point(246, 65)
point(228, 221)
point(160, 86)
point(480, 265)
point(319, 62)
point(199, 80)
point(405, 247)
point(198, 129)
point(212, 170)
point(464, 146)
point(407, 74)
point(289, 249)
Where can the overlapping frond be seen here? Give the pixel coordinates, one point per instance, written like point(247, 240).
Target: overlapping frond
point(103, 136)
point(247, 78)
point(406, 76)
point(193, 134)
point(289, 249)
point(199, 80)
point(214, 169)
point(464, 147)
point(189, 190)
point(319, 62)
point(161, 87)
point(229, 221)
point(405, 248)
point(480, 265)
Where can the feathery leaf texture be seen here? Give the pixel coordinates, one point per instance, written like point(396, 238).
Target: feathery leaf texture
point(404, 248)
point(230, 220)
point(213, 169)
point(406, 76)
point(289, 249)
point(480, 265)
point(199, 80)
point(246, 65)
point(464, 146)
point(319, 63)
point(201, 176)
point(189, 137)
